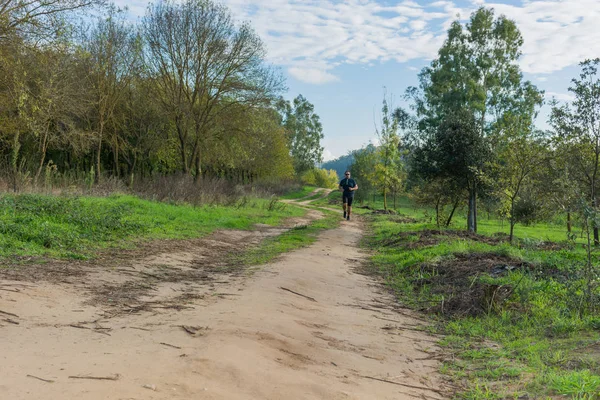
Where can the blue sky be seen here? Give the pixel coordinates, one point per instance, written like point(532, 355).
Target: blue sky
point(340, 54)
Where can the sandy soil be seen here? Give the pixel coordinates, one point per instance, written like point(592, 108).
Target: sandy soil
point(305, 327)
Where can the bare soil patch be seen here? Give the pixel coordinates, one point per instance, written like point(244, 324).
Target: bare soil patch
point(176, 321)
point(429, 237)
point(156, 274)
point(456, 280)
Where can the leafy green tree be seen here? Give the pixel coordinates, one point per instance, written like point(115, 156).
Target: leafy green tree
point(304, 131)
point(558, 179)
point(442, 195)
point(520, 153)
point(476, 72)
point(388, 168)
point(520, 157)
point(321, 178)
point(363, 170)
point(577, 130)
point(456, 153)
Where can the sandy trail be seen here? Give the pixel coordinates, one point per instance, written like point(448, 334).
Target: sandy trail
point(253, 339)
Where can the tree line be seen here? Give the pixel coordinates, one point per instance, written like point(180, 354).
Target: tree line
point(84, 92)
point(469, 140)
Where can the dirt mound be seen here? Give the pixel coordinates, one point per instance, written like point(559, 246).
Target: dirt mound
point(384, 212)
point(404, 219)
point(456, 280)
point(431, 237)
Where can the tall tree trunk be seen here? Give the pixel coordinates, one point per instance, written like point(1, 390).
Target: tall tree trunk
point(437, 212)
point(198, 172)
point(569, 223)
point(43, 148)
point(182, 148)
point(595, 206)
point(452, 212)
point(475, 206)
point(133, 165)
point(385, 198)
point(512, 219)
point(512, 230)
point(99, 151)
point(116, 157)
point(14, 161)
point(471, 214)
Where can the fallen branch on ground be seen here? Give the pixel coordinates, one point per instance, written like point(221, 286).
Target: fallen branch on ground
point(41, 379)
point(299, 294)
point(170, 345)
point(140, 329)
point(403, 384)
point(78, 326)
point(9, 314)
point(99, 378)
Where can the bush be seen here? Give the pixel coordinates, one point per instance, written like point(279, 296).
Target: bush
point(320, 178)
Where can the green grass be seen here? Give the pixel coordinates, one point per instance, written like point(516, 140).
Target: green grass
point(316, 196)
point(295, 238)
point(36, 225)
point(303, 192)
point(539, 342)
point(487, 224)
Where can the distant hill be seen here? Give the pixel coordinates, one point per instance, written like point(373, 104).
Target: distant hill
point(340, 165)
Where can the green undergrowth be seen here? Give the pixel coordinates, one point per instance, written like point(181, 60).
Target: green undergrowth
point(516, 318)
point(295, 238)
point(329, 200)
point(74, 227)
point(316, 196)
point(298, 194)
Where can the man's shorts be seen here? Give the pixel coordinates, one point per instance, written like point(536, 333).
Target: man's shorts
point(347, 199)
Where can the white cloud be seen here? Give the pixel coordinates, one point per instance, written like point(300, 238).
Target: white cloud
point(328, 155)
point(557, 33)
point(312, 37)
point(312, 75)
point(560, 96)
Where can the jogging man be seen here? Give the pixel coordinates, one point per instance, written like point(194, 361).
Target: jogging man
point(349, 186)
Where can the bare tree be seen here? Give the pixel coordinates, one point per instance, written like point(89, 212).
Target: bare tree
point(37, 18)
point(203, 65)
point(114, 51)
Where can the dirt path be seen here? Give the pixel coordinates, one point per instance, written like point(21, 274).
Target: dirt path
point(305, 327)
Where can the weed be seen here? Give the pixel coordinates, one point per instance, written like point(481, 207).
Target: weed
point(74, 226)
point(297, 237)
point(511, 312)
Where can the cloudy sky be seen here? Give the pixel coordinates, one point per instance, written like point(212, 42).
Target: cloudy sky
point(340, 54)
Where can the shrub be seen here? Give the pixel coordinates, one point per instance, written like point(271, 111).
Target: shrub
point(320, 178)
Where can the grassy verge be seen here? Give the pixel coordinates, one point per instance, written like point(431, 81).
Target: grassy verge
point(36, 225)
point(295, 238)
point(316, 196)
point(329, 200)
point(513, 315)
point(303, 192)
